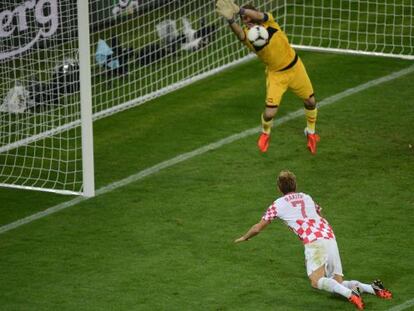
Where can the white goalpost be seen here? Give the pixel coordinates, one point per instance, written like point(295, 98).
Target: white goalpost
point(65, 64)
point(86, 99)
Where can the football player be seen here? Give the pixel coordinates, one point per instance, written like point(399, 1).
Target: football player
point(284, 68)
point(323, 263)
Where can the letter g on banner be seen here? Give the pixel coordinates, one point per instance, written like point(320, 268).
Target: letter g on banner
point(52, 18)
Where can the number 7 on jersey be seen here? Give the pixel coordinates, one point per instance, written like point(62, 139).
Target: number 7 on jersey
point(301, 204)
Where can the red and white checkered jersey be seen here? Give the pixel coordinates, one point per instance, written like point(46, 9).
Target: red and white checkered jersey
point(302, 215)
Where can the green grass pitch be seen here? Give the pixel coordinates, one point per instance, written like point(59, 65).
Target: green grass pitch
point(166, 242)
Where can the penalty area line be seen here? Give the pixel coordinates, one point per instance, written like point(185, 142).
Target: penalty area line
point(213, 146)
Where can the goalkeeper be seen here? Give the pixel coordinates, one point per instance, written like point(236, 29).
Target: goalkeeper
point(284, 69)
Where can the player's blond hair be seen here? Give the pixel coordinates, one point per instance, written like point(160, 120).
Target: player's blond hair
point(286, 181)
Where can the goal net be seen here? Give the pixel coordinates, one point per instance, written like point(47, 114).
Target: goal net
point(39, 96)
point(156, 47)
point(139, 50)
point(372, 27)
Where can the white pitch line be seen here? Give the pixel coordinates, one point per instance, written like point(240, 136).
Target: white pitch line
point(403, 306)
point(213, 146)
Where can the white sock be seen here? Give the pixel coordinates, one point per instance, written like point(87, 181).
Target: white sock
point(309, 131)
point(332, 286)
point(365, 288)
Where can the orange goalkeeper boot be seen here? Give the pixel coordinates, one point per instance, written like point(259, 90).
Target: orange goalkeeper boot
point(313, 139)
point(263, 142)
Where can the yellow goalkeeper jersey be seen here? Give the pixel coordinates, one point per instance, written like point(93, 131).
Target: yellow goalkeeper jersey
point(277, 54)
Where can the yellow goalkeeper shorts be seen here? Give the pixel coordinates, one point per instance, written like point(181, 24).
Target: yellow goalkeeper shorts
point(295, 78)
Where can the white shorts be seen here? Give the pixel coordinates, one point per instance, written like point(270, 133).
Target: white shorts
point(323, 253)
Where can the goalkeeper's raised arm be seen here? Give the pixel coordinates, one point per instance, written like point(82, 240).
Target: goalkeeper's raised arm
point(229, 10)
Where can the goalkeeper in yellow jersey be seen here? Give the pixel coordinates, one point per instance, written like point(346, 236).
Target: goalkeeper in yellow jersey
point(284, 69)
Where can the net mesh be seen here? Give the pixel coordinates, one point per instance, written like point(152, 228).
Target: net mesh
point(157, 45)
point(39, 93)
point(372, 26)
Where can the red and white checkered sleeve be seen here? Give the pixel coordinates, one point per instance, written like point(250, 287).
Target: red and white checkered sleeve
point(271, 213)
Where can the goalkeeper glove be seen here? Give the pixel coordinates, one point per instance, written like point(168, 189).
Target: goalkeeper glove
point(236, 8)
point(227, 9)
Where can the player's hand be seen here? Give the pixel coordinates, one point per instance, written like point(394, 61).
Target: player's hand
point(226, 8)
point(236, 8)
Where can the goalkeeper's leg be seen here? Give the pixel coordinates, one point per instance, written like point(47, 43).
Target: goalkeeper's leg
point(267, 123)
point(311, 112)
point(302, 87)
point(276, 86)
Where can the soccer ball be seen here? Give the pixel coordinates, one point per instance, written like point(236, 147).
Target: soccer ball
point(258, 36)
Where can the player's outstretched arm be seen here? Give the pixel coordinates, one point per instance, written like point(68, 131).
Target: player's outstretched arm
point(256, 16)
point(228, 9)
point(253, 231)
